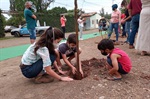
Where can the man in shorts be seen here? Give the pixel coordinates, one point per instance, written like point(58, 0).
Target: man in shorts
point(31, 21)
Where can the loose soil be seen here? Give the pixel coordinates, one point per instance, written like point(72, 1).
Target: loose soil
point(135, 85)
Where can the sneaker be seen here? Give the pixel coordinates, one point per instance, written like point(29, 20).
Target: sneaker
point(81, 38)
point(45, 78)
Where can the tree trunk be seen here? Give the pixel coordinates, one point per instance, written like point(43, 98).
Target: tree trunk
point(78, 75)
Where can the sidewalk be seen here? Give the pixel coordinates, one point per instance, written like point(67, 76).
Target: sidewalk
point(14, 51)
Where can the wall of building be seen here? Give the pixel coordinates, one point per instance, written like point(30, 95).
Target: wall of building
point(92, 22)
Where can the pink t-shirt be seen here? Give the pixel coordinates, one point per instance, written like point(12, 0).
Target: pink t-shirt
point(115, 16)
point(62, 21)
point(124, 60)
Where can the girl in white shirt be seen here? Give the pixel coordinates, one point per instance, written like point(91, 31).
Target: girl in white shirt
point(41, 56)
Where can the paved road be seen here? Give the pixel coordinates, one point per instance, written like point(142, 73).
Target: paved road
point(14, 41)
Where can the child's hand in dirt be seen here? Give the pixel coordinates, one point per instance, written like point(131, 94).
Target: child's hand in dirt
point(66, 79)
point(74, 70)
point(62, 72)
point(81, 71)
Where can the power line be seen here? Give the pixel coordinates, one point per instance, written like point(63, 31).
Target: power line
point(83, 3)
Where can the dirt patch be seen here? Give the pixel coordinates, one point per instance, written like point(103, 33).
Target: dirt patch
point(94, 66)
point(135, 85)
point(145, 76)
point(90, 67)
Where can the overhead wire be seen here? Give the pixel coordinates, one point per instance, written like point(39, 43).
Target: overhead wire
point(82, 5)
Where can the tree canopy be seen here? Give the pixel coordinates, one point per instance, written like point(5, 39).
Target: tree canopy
point(57, 10)
point(103, 14)
point(39, 5)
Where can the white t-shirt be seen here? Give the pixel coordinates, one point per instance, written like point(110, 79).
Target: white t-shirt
point(42, 53)
point(80, 22)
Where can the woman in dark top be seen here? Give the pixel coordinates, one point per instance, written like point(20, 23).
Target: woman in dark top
point(126, 20)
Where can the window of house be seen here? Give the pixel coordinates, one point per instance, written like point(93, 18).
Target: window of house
point(97, 21)
point(92, 21)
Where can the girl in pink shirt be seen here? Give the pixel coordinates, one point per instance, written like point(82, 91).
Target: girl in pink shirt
point(119, 62)
point(115, 16)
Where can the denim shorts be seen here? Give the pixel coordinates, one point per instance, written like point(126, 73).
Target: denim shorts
point(31, 71)
point(120, 70)
point(32, 33)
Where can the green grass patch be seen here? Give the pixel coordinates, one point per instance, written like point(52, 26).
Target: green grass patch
point(5, 38)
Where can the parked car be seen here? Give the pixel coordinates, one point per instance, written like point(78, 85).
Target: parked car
point(24, 31)
point(9, 28)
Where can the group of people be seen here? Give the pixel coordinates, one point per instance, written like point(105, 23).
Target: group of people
point(135, 20)
point(41, 56)
point(38, 59)
point(31, 23)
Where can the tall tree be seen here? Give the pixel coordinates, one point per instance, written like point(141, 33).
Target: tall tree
point(12, 5)
point(39, 5)
point(102, 12)
point(107, 16)
point(42, 5)
point(2, 34)
point(57, 11)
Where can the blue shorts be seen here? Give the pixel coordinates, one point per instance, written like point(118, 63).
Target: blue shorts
point(31, 71)
point(32, 33)
point(120, 69)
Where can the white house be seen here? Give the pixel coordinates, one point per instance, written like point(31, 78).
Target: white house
point(91, 20)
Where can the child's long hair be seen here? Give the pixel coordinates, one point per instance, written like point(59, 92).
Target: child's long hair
point(47, 38)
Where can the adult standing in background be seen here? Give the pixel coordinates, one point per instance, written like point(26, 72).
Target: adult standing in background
point(135, 7)
point(81, 25)
point(31, 21)
point(115, 21)
point(63, 24)
point(143, 37)
point(126, 20)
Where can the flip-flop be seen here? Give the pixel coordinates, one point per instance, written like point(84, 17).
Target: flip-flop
point(114, 78)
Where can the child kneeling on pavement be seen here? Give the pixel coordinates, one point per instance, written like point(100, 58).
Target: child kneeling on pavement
point(118, 60)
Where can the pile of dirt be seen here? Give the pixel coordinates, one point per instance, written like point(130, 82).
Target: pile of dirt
point(96, 63)
point(92, 66)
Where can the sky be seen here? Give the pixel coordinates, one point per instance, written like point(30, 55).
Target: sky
point(85, 5)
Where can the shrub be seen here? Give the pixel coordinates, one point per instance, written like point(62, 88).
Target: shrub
point(2, 34)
